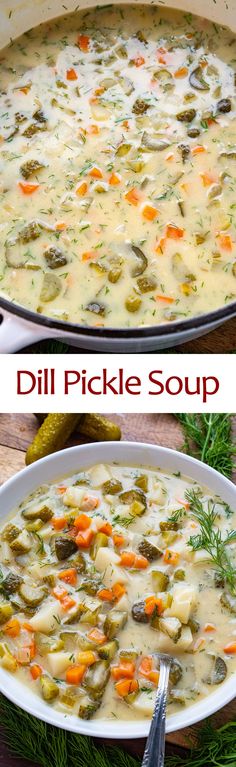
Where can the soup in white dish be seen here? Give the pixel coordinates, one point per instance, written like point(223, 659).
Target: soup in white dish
point(103, 569)
point(118, 163)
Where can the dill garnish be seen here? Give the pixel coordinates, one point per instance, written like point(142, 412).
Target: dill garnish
point(210, 537)
point(211, 434)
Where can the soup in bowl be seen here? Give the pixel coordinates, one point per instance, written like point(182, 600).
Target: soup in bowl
point(104, 568)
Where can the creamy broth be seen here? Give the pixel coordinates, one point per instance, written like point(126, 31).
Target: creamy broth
point(97, 573)
point(118, 163)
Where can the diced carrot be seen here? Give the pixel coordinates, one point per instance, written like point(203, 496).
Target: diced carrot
point(184, 503)
point(161, 55)
point(114, 179)
point(132, 196)
point(84, 539)
point(69, 576)
point(67, 602)
point(28, 627)
point(58, 523)
point(71, 74)
point(171, 557)
point(199, 149)
point(36, 671)
point(96, 635)
point(12, 628)
point(82, 189)
point(126, 686)
point(169, 157)
point(28, 188)
point(230, 649)
point(83, 42)
point(61, 489)
point(99, 91)
point(60, 226)
point(74, 674)
point(125, 670)
point(87, 658)
point(207, 179)
point(140, 562)
point(209, 627)
point(95, 172)
point(199, 644)
point(149, 212)
point(127, 559)
point(174, 232)
point(139, 61)
point(181, 72)
point(89, 503)
point(225, 241)
point(106, 528)
point(153, 676)
point(82, 522)
point(89, 254)
point(93, 130)
point(118, 591)
point(59, 593)
point(25, 89)
point(160, 246)
point(118, 539)
point(153, 603)
point(167, 299)
point(32, 649)
point(145, 665)
point(106, 595)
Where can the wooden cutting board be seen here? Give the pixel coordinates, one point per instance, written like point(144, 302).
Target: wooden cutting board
point(16, 432)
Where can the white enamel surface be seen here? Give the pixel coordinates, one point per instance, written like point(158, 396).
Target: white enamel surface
point(16, 16)
point(67, 462)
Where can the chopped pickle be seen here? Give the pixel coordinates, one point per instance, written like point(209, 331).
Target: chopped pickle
point(100, 540)
point(160, 580)
point(112, 487)
point(149, 551)
point(108, 650)
point(64, 547)
point(6, 611)
point(114, 622)
point(49, 688)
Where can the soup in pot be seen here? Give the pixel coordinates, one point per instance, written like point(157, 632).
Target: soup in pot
point(101, 571)
point(118, 167)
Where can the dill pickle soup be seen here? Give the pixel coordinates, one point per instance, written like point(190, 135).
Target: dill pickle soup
point(118, 163)
point(102, 569)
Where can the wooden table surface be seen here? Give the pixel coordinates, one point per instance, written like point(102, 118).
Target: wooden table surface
point(16, 431)
point(219, 341)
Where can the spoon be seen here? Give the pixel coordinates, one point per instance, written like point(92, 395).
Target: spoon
point(155, 747)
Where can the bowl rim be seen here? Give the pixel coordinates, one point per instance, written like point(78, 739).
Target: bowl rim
point(30, 702)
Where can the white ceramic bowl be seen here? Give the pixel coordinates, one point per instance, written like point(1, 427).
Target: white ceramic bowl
point(68, 462)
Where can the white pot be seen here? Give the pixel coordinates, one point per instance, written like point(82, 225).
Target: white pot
point(68, 462)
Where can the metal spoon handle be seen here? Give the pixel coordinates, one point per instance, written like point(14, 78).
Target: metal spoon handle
point(155, 747)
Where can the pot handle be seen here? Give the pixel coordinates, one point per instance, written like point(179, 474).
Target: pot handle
point(15, 333)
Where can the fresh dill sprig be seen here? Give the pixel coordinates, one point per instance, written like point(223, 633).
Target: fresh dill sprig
point(210, 537)
point(214, 748)
point(211, 434)
point(48, 746)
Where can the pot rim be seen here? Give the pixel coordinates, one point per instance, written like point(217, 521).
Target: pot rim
point(177, 326)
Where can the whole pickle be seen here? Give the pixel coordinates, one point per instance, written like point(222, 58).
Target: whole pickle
point(99, 428)
point(52, 435)
point(93, 425)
